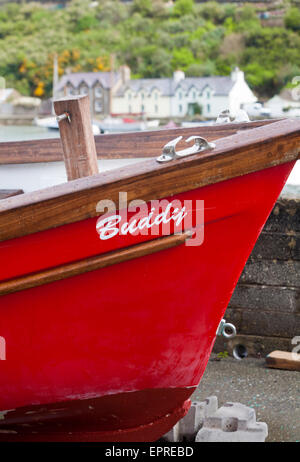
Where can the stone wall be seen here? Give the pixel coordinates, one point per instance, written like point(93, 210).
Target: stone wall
point(265, 306)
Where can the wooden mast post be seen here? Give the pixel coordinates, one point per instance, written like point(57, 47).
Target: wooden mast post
point(75, 126)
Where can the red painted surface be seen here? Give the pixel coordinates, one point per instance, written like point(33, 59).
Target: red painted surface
point(143, 324)
point(147, 432)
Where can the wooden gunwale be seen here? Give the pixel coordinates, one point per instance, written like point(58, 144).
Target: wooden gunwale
point(115, 146)
point(92, 263)
point(5, 193)
point(235, 155)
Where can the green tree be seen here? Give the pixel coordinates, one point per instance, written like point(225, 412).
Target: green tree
point(151, 37)
point(183, 7)
point(204, 69)
point(260, 78)
point(144, 7)
point(182, 58)
point(212, 11)
point(292, 19)
point(86, 22)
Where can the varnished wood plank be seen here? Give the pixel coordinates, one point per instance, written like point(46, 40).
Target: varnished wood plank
point(235, 155)
point(4, 193)
point(283, 360)
point(79, 150)
point(92, 263)
point(116, 146)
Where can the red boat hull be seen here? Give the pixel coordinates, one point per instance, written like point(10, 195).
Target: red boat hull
point(119, 417)
point(132, 340)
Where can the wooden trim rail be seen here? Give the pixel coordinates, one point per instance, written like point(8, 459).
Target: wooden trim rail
point(92, 263)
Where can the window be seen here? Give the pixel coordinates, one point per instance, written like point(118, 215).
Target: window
point(98, 92)
point(208, 108)
point(71, 91)
point(83, 90)
point(98, 106)
point(194, 95)
point(207, 94)
point(180, 95)
point(129, 109)
point(129, 96)
point(180, 107)
point(156, 108)
point(142, 108)
point(142, 95)
point(156, 96)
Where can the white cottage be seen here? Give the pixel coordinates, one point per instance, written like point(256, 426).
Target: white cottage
point(180, 96)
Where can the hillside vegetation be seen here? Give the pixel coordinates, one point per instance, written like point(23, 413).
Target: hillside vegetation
point(150, 36)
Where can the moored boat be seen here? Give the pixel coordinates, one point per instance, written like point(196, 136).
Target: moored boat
point(51, 124)
point(109, 318)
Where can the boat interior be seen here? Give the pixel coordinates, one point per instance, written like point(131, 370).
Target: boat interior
point(27, 166)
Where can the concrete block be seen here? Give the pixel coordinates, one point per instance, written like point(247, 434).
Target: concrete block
point(187, 428)
point(264, 323)
point(173, 435)
point(284, 216)
point(270, 246)
point(193, 420)
point(233, 422)
point(265, 298)
point(272, 273)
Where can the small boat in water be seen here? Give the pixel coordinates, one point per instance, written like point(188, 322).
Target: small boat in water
point(51, 124)
point(107, 125)
point(109, 315)
point(124, 125)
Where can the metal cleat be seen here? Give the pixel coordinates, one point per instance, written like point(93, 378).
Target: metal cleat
point(170, 153)
point(225, 118)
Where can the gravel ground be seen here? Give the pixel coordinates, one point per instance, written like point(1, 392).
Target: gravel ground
point(273, 393)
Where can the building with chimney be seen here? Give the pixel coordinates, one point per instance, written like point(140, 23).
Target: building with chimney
point(180, 96)
point(100, 86)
